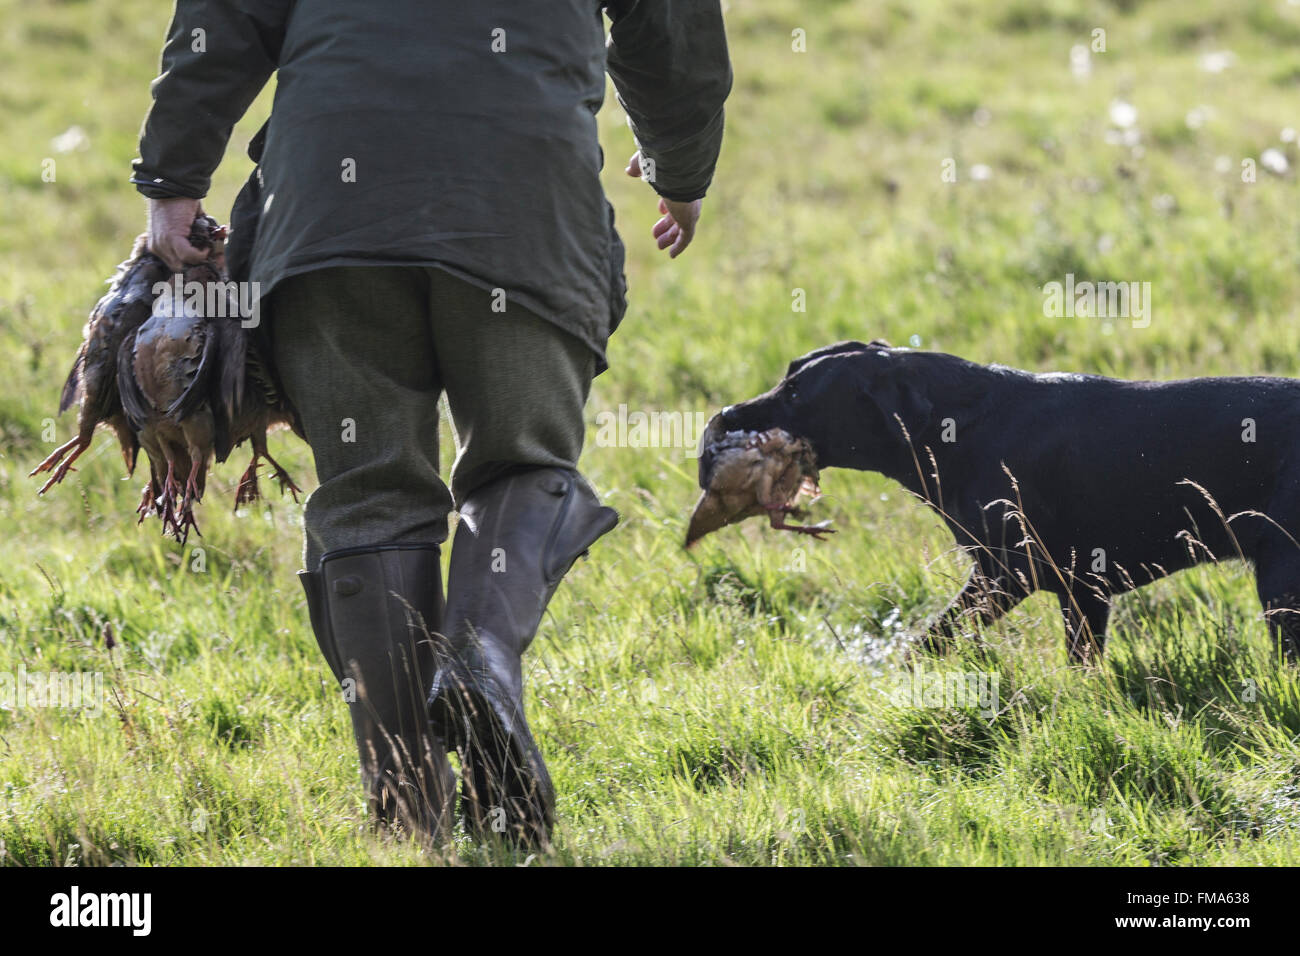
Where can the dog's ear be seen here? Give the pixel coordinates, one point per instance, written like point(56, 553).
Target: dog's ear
point(879, 344)
point(900, 397)
point(824, 351)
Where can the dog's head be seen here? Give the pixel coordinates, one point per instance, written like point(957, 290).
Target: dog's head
point(859, 404)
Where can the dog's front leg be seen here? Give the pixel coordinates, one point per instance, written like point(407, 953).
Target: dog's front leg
point(985, 598)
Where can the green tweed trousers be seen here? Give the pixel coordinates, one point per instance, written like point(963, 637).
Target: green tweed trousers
point(365, 352)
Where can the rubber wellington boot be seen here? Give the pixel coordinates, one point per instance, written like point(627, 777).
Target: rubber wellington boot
point(373, 611)
point(517, 537)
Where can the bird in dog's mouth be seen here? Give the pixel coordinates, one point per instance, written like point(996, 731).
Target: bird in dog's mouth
point(748, 473)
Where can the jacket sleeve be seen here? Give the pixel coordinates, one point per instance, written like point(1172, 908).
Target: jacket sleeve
point(669, 63)
point(217, 57)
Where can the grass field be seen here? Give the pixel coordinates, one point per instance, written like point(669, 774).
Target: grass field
point(737, 704)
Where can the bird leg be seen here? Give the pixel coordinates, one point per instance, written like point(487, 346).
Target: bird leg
point(776, 516)
point(147, 499)
point(192, 492)
point(165, 503)
point(181, 528)
point(76, 446)
point(247, 491)
point(152, 490)
point(189, 498)
point(280, 475)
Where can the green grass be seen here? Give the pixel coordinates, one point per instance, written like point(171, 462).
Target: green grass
point(712, 707)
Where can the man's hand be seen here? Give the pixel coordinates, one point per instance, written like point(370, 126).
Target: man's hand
point(170, 221)
point(677, 228)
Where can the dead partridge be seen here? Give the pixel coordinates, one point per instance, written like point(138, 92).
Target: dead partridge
point(744, 474)
point(92, 383)
point(167, 369)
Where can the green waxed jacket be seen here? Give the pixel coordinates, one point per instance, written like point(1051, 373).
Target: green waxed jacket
point(440, 132)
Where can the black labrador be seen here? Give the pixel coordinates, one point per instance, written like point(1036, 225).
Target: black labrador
point(1076, 484)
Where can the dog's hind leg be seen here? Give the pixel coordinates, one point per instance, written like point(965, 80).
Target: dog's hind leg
point(983, 598)
point(1277, 581)
point(1085, 616)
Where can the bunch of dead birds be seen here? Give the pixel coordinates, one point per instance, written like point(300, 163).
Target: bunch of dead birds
point(185, 386)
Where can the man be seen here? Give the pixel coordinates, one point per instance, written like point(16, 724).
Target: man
point(427, 216)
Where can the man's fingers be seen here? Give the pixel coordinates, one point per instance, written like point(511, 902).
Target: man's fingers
point(177, 252)
point(177, 257)
point(683, 240)
point(676, 229)
point(187, 253)
point(164, 252)
point(169, 226)
point(673, 236)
